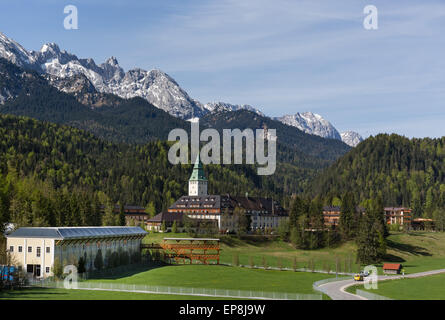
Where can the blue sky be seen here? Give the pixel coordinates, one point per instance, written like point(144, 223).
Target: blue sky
point(280, 56)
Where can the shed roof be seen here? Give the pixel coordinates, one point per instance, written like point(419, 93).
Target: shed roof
point(392, 266)
point(65, 233)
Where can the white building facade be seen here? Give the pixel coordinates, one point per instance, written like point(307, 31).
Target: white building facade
point(36, 249)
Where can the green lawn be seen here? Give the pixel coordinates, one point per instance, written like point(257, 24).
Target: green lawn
point(417, 251)
point(192, 276)
point(63, 294)
point(275, 250)
point(222, 277)
point(425, 288)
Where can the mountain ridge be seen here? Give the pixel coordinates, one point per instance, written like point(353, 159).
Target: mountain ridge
point(65, 70)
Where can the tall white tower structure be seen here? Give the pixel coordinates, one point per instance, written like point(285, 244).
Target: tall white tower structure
point(198, 181)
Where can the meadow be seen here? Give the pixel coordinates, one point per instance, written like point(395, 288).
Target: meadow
point(221, 277)
point(417, 251)
point(424, 288)
point(64, 294)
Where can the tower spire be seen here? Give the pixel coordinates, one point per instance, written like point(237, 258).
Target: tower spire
point(197, 181)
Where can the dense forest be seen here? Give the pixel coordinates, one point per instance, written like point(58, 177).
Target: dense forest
point(297, 146)
point(46, 167)
point(136, 121)
point(120, 120)
point(53, 166)
point(401, 171)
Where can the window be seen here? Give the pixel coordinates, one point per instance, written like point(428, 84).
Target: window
point(20, 249)
point(47, 269)
point(29, 249)
point(11, 249)
point(48, 249)
point(38, 252)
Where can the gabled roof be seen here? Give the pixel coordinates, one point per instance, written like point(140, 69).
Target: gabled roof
point(65, 233)
point(332, 208)
point(167, 217)
point(392, 266)
point(252, 204)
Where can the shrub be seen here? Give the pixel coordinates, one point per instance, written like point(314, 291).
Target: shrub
point(264, 263)
point(57, 269)
point(235, 260)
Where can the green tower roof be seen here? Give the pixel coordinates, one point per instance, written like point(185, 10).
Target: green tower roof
point(198, 171)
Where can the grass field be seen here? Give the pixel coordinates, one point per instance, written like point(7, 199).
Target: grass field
point(275, 250)
point(192, 276)
point(417, 251)
point(425, 288)
point(63, 294)
point(222, 277)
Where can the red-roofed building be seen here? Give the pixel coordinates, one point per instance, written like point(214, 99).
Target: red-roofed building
point(392, 268)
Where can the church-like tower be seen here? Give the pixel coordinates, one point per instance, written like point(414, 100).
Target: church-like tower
point(198, 181)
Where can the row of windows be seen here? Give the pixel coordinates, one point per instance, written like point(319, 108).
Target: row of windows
point(38, 250)
point(196, 199)
point(30, 268)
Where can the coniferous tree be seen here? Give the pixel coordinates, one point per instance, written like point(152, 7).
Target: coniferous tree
point(174, 227)
point(371, 242)
point(122, 221)
point(347, 217)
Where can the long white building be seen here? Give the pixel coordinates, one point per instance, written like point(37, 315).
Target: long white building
point(36, 249)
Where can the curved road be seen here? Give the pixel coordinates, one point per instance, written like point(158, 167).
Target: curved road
point(336, 289)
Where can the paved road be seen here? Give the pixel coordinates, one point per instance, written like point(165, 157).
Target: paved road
point(336, 290)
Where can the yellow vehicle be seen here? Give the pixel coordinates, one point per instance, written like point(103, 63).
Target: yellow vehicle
point(358, 277)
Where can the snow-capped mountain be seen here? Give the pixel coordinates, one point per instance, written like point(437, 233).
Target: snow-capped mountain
point(155, 86)
point(223, 106)
point(311, 123)
point(14, 52)
point(351, 138)
point(89, 82)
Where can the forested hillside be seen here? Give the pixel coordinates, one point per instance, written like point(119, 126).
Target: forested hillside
point(136, 121)
point(121, 120)
point(58, 175)
point(403, 172)
point(294, 145)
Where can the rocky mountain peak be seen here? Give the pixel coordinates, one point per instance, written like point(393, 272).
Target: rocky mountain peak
point(351, 138)
point(68, 73)
point(311, 123)
point(52, 47)
point(112, 61)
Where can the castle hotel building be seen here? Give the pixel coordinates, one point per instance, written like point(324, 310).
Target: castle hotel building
point(264, 213)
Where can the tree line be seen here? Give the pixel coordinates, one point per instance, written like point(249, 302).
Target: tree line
point(55, 175)
point(366, 226)
point(403, 172)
